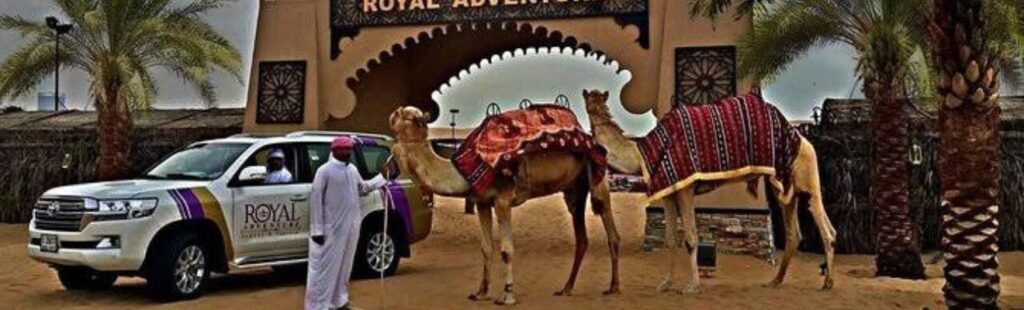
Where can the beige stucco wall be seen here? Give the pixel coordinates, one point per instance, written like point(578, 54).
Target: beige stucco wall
point(286, 30)
point(683, 31)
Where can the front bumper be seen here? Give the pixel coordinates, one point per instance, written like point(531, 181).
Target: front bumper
point(80, 248)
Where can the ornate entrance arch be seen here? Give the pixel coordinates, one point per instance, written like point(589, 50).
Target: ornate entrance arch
point(361, 64)
point(408, 74)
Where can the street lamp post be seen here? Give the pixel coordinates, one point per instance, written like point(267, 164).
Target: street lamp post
point(454, 112)
point(58, 29)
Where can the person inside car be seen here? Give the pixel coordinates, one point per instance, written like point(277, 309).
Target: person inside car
point(276, 171)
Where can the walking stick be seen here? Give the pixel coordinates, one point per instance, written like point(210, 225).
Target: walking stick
point(388, 205)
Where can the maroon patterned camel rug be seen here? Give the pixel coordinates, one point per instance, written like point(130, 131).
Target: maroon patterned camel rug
point(494, 148)
point(734, 137)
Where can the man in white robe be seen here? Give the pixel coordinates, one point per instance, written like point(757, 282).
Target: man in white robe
point(335, 219)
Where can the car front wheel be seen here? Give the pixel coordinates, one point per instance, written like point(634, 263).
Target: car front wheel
point(377, 251)
point(179, 270)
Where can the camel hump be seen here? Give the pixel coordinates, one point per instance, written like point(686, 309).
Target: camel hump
point(495, 148)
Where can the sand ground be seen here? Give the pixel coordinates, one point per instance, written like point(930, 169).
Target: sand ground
point(445, 268)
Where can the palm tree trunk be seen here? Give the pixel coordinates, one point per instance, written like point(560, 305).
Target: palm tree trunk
point(115, 127)
point(969, 156)
point(896, 232)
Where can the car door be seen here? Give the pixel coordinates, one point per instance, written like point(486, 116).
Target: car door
point(271, 219)
point(407, 200)
point(318, 154)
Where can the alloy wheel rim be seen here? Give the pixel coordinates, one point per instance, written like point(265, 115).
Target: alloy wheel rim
point(380, 252)
point(189, 269)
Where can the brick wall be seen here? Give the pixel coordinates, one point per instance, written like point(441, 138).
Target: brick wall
point(741, 232)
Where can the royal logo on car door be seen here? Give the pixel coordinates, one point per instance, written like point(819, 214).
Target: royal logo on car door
point(272, 216)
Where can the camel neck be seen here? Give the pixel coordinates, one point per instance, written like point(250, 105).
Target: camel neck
point(430, 169)
point(622, 152)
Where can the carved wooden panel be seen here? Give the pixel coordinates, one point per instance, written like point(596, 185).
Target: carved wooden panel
point(281, 92)
point(705, 74)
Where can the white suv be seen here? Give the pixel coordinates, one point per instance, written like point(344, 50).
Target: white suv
point(208, 208)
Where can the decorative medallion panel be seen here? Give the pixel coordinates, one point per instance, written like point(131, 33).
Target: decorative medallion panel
point(705, 74)
point(281, 92)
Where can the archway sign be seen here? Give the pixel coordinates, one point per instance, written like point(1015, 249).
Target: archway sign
point(349, 16)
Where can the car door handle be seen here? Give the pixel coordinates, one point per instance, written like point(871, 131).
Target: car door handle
point(299, 198)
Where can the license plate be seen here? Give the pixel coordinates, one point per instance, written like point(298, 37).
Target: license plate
point(49, 243)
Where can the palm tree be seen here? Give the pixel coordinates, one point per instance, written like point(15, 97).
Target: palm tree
point(120, 44)
point(972, 40)
point(885, 45)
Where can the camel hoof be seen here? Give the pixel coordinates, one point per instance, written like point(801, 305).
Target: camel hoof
point(506, 300)
point(478, 297)
point(828, 285)
point(665, 286)
point(564, 293)
point(692, 289)
point(774, 283)
point(611, 291)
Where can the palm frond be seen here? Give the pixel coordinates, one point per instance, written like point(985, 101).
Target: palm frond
point(23, 70)
point(118, 43)
point(23, 26)
point(711, 9)
point(782, 36)
point(1006, 37)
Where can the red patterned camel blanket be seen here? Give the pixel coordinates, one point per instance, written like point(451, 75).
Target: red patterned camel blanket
point(723, 140)
point(497, 145)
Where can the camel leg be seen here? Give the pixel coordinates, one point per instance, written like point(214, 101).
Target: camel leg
point(468, 206)
point(575, 199)
point(671, 242)
point(792, 227)
point(827, 236)
point(688, 211)
point(486, 248)
point(807, 181)
point(503, 209)
point(601, 202)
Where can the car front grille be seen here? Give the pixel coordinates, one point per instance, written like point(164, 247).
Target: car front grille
point(59, 214)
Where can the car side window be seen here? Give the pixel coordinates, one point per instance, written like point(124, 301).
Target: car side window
point(372, 159)
point(288, 172)
point(315, 155)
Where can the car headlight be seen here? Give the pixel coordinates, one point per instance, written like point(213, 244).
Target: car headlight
point(123, 208)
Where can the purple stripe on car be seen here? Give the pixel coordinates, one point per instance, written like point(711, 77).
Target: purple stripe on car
point(195, 207)
point(177, 202)
point(402, 206)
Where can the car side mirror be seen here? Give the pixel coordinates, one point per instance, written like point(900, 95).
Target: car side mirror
point(253, 174)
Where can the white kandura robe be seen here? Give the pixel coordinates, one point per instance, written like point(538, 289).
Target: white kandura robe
point(334, 213)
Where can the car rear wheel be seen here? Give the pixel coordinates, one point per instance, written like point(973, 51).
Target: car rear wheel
point(179, 269)
point(377, 251)
point(81, 278)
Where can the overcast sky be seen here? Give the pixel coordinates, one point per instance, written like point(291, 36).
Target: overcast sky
point(824, 73)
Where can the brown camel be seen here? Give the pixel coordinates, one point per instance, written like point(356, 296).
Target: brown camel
point(538, 174)
point(624, 156)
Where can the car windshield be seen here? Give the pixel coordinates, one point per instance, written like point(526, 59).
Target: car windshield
point(198, 162)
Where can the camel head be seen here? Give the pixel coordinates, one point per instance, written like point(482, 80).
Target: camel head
point(596, 103)
point(409, 124)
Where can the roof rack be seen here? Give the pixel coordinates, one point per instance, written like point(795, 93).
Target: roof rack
point(337, 133)
point(254, 135)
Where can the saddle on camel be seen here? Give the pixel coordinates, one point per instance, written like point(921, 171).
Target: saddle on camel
point(509, 159)
point(694, 149)
point(703, 144)
point(494, 148)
